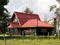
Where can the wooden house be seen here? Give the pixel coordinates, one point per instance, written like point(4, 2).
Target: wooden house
point(28, 23)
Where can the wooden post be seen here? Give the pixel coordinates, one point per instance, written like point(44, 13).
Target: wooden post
point(48, 36)
point(22, 35)
point(35, 34)
point(4, 39)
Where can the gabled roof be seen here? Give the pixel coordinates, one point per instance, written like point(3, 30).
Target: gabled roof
point(23, 17)
point(28, 20)
point(36, 23)
point(14, 25)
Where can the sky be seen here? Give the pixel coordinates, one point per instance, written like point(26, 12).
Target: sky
point(40, 7)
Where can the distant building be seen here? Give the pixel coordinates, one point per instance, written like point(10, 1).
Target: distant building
point(28, 23)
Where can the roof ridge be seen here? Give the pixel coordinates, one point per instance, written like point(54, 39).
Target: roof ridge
point(26, 13)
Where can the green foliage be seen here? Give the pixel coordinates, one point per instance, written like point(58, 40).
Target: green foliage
point(28, 11)
point(57, 14)
point(3, 10)
point(58, 1)
point(52, 7)
point(4, 2)
point(4, 17)
point(57, 11)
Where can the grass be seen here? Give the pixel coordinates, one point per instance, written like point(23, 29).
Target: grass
point(17, 40)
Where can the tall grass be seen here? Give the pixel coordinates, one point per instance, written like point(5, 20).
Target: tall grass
point(30, 40)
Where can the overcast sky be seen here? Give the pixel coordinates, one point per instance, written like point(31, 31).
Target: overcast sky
point(40, 7)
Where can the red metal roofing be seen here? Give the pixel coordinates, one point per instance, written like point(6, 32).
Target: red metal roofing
point(36, 23)
point(13, 25)
point(23, 17)
point(28, 20)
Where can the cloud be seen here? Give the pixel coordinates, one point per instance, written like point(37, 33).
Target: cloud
point(38, 6)
point(35, 5)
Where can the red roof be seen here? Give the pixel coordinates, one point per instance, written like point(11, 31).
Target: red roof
point(27, 20)
point(36, 23)
point(23, 17)
point(14, 25)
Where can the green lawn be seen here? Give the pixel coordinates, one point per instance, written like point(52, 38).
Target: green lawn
point(29, 41)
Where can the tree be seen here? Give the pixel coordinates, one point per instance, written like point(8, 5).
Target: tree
point(3, 10)
point(28, 11)
point(58, 1)
point(57, 14)
point(3, 14)
point(3, 17)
